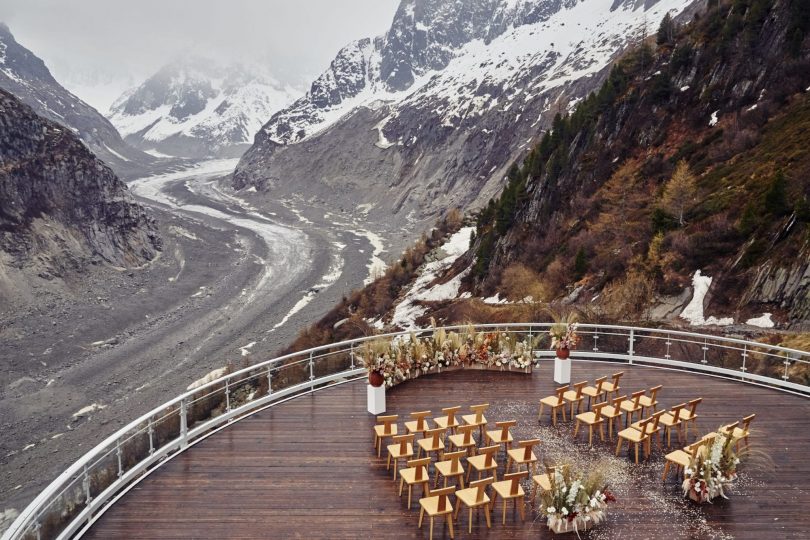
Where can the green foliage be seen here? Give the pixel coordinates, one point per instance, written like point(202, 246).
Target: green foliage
point(661, 88)
point(662, 221)
point(681, 57)
point(750, 220)
point(666, 30)
point(776, 202)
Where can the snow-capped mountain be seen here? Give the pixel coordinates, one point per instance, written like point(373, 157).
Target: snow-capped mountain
point(26, 76)
point(196, 108)
point(429, 115)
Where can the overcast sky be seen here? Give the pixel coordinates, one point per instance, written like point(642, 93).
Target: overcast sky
point(102, 47)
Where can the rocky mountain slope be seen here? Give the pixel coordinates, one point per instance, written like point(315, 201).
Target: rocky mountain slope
point(60, 206)
point(26, 76)
point(196, 108)
point(428, 116)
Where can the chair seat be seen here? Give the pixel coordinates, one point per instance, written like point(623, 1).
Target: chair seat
point(647, 402)
point(591, 391)
point(551, 401)
point(410, 426)
point(468, 497)
point(679, 457)
point(458, 441)
point(517, 456)
point(478, 462)
point(495, 437)
point(431, 506)
point(542, 480)
point(393, 450)
point(610, 411)
point(668, 419)
point(608, 387)
point(443, 423)
point(470, 419)
point(571, 395)
point(427, 445)
point(409, 475)
point(445, 468)
point(687, 416)
point(627, 406)
point(504, 488)
point(379, 431)
point(589, 418)
point(632, 434)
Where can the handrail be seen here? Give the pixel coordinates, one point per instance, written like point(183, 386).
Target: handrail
point(28, 522)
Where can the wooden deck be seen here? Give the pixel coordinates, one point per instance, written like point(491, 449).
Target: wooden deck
point(305, 468)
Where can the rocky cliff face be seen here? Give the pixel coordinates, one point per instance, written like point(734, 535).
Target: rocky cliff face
point(60, 206)
point(26, 76)
point(194, 108)
point(427, 116)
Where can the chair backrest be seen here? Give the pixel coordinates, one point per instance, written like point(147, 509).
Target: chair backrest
point(617, 402)
point(420, 466)
point(479, 411)
point(597, 410)
point(420, 419)
point(403, 441)
point(451, 414)
point(747, 422)
point(654, 390)
point(599, 383)
point(655, 419)
point(560, 393)
point(729, 429)
point(454, 458)
point(442, 494)
point(636, 398)
point(387, 422)
point(642, 426)
point(467, 431)
point(527, 447)
point(504, 427)
point(481, 486)
point(676, 412)
point(433, 435)
point(693, 405)
point(515, 479)
point(616, 377)
point(693, 448)
point(489, 452)
point(578, 387)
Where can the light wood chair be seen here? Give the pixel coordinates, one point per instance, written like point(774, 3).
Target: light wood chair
point(612, 412)
point(450, 467)
point(575, 397)
point(420, 423)
point(541, 483)
point(431, 443)
point(416, 473)
point(631, 406)
point(595, 393)
point(591, 419)
point(484, 460)
point(450, 419)
point(438, 504)
point(463, 439)
point(510, 488)
point(741, 433)
point(635, 436)
point(613, 387)
point(556, 402)
point(477, 418)
point(653, 429)
point(401, 449)
point(501, 435)
point(680, 458)
point(689, 415)
point(650, 401)
point(522, 455)
point(385, 429)
point(474, 498)
point(672, 420)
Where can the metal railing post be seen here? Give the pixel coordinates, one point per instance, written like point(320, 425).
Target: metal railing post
point(183, 425)
point(269, 381)
point(151, 430)
point(118, 455)
point(311, 373)
point(227, 395)
point(631, 350)
point(705, 350)
point(787, 367)
point(351, 355)
point(86, 486)
point(744, 358)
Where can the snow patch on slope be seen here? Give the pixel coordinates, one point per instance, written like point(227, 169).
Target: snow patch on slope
point(763, 321)
point(693, 312)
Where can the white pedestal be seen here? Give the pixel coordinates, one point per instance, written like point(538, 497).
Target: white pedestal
point(562, 371)
point(376, 399)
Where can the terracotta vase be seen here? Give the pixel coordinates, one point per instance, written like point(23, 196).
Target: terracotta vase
point(563, 353)
point(375, 378)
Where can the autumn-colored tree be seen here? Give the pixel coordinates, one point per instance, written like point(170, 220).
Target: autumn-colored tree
point(679, 193)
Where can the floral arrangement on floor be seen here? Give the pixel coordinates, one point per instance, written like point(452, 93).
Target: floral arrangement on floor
point(564, 332)
point(575, 502)
point(400, 359)
point(712, 470)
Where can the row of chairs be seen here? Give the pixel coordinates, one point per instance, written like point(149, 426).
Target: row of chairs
point(575, 395)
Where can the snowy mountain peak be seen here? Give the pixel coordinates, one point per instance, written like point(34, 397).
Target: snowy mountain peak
point(197, 107)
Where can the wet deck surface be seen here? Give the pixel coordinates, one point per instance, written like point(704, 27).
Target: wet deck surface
point(306, 469)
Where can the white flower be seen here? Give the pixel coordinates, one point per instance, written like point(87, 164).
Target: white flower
point(564, 511)
point(551, 510)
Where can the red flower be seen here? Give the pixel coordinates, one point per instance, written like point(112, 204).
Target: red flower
point(572, 516)
point(609, 497)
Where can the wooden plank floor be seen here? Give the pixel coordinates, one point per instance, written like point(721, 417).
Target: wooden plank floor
point(305, 468)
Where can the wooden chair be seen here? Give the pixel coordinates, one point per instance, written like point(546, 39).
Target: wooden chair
point(635, 436)
point(475, 497)
point(595, 393)
point(612, 412)
point(450, 466)
point(613, 386)
point(690, 415)
point(672, 420)
point(650, 401)
point(438, 504)
point(510, 488)
point(541, 482)
point(523, 455)
point(575, 397)
point(385, 428)
point(592, 418)
point(416, 473)
point(431, 443)
point(556, 402)
point(450, 420)
point(477, 418)
point(653, 429)
point(631, 406)
point(419, 424)
point(501, 435)
point(463, 439)
point(681, 458)
point(401, 449)
point(741, 433)
point(484, 460)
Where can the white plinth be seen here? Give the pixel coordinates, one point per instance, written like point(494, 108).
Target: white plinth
point(562, 371)
point(376, 399)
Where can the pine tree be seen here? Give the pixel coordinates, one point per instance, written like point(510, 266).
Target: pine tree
point(666, 31)
point(679, 193)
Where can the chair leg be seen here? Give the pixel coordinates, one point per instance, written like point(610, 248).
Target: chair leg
point(522, 509)
point(636, 453)
point(401, 484)
point(619, 446)
point(590, 435)
point(421, 515)
point(666, 470)
point(410, 489)
point(388, 463)
point(486, 513)
point(576, 428)
point(469, 529)
point(540, 412)
point(452, 533)
point(431, 527)
point(503, 519)
point(602, 431)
